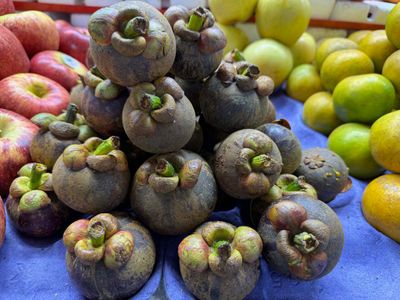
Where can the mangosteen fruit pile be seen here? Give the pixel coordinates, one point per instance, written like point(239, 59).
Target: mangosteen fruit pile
point(194, 129)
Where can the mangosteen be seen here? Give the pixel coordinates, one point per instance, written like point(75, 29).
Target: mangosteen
point(199, 42)
point(287, 184)
point(131, 42)
point(236, 97)
point(173, 193)
point(288, 144)
point(32, 206)
point(157, 117)
point(325, 171)
point(92, 177)
point(196, 142)
point(110, 256)
point(192, 90)
point(247, 164)
point(102, 104)
point(220, 261)
point(57, 133)
point(302, 237)
point(271, 116)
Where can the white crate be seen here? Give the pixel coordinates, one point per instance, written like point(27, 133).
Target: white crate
point(80, 20)
point(350, 11)
point(321, 9)
point(101, 3)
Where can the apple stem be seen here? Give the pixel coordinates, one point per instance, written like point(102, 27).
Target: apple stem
point(110, 144)
point(36, 175)
point(135, 27)
point(165, 168)
point(151, 102)
point(196, 20)
point(72, 110)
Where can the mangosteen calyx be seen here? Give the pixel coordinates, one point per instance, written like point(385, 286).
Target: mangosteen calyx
point(234, 56)
point(300, 241)
point(103, 87)
point(99, 239)
point(220, 247)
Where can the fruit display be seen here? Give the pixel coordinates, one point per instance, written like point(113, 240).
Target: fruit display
point(32, 206)
point(220, 261)
point(111, 251)
point(181, 183)
point(223, 151)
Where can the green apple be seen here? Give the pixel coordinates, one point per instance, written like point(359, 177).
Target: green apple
point(273, 58)
point(236, 38)
point(228, 12)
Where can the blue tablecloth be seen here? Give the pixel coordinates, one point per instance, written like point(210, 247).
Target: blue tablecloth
point(368, 269)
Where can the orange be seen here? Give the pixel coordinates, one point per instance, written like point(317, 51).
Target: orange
point(393, 26)
point(357, 36)
point(303, 82)
point(331, 45)
point(381, 205)
point(391, 70)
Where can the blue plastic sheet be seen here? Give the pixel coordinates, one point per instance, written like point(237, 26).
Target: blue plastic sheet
point(368, 269)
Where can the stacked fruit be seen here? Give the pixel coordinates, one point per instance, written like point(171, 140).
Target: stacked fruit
point(152, 73)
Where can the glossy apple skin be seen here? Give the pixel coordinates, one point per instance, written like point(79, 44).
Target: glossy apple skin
point(16, 137)
point(36, 31)
point(58, 66)
point(19, 94)
point(13, 58)
point(6, 7)
point(2, 223)
point(74, 41)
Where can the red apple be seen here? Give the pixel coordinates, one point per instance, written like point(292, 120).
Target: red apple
point(16, 134)
point(58, 66)
point(2, 223)
point(13, 58)
point(35, 30)
point(29, 94)
point(6, 7)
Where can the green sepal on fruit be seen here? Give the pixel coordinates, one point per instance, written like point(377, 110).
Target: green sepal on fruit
point(103, 87)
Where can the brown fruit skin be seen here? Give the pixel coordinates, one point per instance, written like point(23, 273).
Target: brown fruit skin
point(228, 108)
point(328, 178)
point(96, 281)
point(288, 144)
point(229, 179)
point(90, 191)
point(315, 210)
point(129, 71)
point(46, 148)
point(196, 141)
point(192, 90)
point(179, 211)
point(104, 116)
point(167, 137)
point(271, 116)
point(44, 222)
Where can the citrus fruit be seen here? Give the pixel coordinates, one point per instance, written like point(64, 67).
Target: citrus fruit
point(303, 82)
point(381, 205)
point(393, 26)
point(228, 12)
point(391, 70)
point(236, 38)
point(304, 49)
point(319, 114)
point(273, 58)
point(377, 46)
point(331, 45)
point(363, 98)
point(357, 36)
point(284, 21)
point(342, 64)
point(385, 137)
point(351, 142)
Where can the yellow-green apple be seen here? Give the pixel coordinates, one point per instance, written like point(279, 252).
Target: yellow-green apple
point(58, 66)
point(13, 58)
point(2, 223)
point(228, 12)
point(35, 30)
point(73, 41)
point(29, 94)
point(6, 7)
point(16, 134)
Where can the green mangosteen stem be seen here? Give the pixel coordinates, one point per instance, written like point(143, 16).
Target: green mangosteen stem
point(305, 242)
point(224, 249)
point(108, 145)
point(196, 21)
point(165, 168)
point(250, 71)
point(97, 234)
point(260, 162)
point(135, 27)
point(151, 102)
point(72, 110)
point(294, 186)
point(238, 56)
point(36, 175)
point(97, 72)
